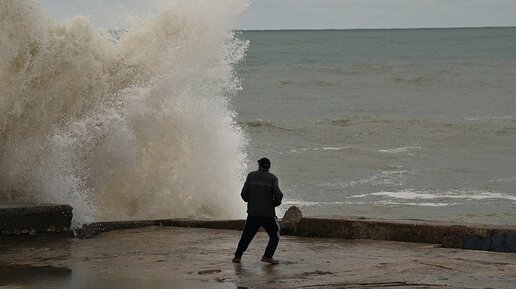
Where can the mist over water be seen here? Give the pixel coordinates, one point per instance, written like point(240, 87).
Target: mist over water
point(122, 129)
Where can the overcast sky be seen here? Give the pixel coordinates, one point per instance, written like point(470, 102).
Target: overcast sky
point(320, 14)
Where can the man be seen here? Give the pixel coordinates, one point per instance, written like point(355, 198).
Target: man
point(262, 194)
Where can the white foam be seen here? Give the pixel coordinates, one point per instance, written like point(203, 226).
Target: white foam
point(334, 148)
point(504, 180)
point(302, 203)
point(411, 195)
point(325, 148)
point(396, 177)
point(425, 204)
point(489, 118)
point(454, 194)
point(400, 150)
point(135, 129)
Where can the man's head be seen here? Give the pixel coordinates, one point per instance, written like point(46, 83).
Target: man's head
point(264, 163)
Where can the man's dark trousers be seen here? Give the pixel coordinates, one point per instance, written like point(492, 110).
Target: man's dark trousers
point(252, 225)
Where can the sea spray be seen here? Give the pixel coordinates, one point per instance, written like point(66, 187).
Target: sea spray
point(134, 128)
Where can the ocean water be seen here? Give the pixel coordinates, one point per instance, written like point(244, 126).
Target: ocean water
point(165, 118)
point(386, 123)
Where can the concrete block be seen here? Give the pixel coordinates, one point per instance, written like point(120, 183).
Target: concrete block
point(30, 219)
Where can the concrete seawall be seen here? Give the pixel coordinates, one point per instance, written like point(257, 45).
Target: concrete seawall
point(447, 234)
point(33, 219)
point(94, 229)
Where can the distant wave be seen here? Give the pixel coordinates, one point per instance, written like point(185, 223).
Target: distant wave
point(395, 177)
point(507, 117)
point(341, 122)
point(333, 148)
point(504, 180)
point(320, 149)
point(448, 131)
point(400, 150)
point(319, 83)
point(426, 204)
point(420, 80)
point(259, 123)
point(325, 83)
point(429, 195)
point(302, 203)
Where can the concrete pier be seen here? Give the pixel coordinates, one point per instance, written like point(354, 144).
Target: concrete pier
point(448, 234)
point(315, 252)
point(94, 229)
point(26, 219)
point(163, 257)
point(32, 219)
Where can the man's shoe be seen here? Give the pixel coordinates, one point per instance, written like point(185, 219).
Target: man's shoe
point(270, 260)
point(236, 260)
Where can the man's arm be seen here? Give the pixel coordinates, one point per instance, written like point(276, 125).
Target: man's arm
point(245, 192)
point(276, 192)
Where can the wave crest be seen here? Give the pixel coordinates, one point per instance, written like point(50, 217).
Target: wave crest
point(138, 128)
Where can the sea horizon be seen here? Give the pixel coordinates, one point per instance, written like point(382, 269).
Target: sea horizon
point(378, 28)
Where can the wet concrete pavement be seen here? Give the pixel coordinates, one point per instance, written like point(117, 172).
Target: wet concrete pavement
point(170, 257)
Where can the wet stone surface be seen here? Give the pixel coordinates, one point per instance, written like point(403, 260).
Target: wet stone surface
point(169, 257)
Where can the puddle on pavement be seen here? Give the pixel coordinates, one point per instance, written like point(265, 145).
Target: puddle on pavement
point(21, 276)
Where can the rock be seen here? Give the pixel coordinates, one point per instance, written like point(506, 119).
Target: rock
point(290, 220)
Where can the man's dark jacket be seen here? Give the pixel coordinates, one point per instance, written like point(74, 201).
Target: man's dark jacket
point(262, 193)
